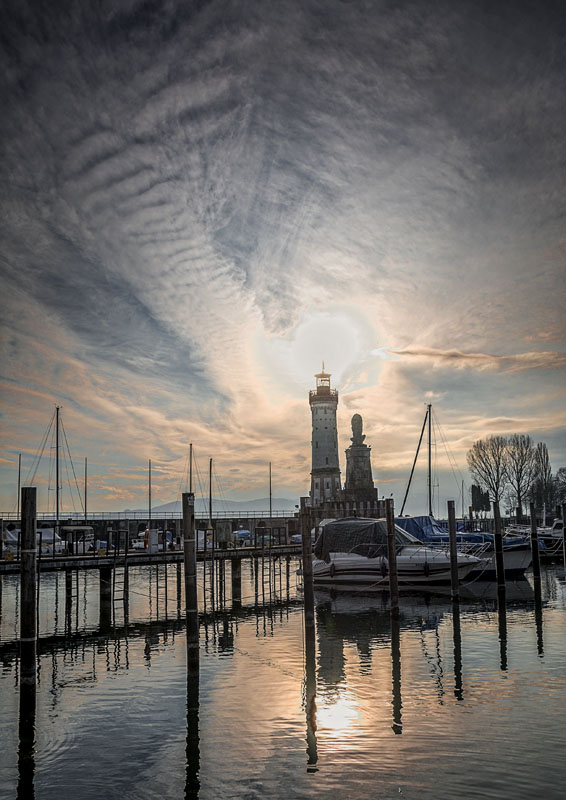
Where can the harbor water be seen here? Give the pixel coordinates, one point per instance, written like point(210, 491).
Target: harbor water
point(454, 702)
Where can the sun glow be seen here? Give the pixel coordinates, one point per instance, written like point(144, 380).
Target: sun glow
point(338, 718)
point(340, 336)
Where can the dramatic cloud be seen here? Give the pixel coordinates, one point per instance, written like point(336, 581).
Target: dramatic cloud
point(454, 359)
point(201, 201)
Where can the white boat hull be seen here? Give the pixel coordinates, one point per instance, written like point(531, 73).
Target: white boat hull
point(416, 566)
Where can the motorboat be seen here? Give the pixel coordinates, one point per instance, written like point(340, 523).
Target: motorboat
point(48, 541)
point(517, 554)
point(353, 552)
point(551, 537)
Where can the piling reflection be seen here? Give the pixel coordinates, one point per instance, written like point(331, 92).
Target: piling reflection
point(397, 702)
point(310, 697)
point(538, 617)
point(502, 625)
point(192, 750)
point(26, 748)
point(457, 633)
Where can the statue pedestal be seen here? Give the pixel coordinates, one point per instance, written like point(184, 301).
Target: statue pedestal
point(359, 482)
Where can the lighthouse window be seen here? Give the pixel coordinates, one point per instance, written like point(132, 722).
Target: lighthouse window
point(327, 459)
point(316, 444)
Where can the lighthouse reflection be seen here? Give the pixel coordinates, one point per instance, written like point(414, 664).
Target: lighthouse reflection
point(365, 623)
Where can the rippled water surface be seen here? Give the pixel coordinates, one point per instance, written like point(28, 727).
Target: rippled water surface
point(446, 705)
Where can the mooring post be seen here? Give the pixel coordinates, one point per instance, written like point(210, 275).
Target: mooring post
point(190, 561)
point(392, 556)
point(498, 541)
point(453, 551)
point(236, 581)
point(563, 515)
point(308, 587)
point(28, 599)
point(534, 542)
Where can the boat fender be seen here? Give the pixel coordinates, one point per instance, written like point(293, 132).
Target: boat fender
point(426, 569)
point(332, 570)
point(383, 567)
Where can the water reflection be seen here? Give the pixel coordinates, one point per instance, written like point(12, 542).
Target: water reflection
point(366, 678)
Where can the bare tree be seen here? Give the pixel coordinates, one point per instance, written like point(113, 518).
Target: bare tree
point(559, 483)
point(542, 487)
point(487, 461)
point(521, 466)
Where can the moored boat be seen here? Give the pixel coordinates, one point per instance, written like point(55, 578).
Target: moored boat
point(353, 552)
point(517, 554)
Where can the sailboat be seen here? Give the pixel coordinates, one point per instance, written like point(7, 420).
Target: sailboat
point(517, 553)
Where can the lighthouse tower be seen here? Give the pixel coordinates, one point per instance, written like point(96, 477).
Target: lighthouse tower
point(325, 474)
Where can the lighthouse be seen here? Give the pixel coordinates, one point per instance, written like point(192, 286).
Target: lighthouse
point(325, 474)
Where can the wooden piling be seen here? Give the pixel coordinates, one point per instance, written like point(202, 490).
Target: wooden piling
point(392, 556)
point(563, 515)
point(190, 561)
point(454, 581)
point(28, 599)
point(308, 586)
point(534, 542)
point(498, 541)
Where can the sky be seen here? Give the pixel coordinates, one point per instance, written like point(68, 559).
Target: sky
point(201, 201)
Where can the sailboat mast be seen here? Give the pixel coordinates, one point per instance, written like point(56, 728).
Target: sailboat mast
point(414, 463)
point(57, 469)
point(86, 517)
point(149, 494)
point(191, 467)
point(270, 509)
point(210, 492)
point(19, 480)
point(429, 460)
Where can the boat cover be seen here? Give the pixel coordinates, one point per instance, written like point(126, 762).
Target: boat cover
point(428, 529)
point(366, 537)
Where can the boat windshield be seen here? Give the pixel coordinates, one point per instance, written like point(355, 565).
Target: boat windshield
point(404, 538)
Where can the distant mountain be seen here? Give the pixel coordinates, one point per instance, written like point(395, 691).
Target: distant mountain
point(220, 506)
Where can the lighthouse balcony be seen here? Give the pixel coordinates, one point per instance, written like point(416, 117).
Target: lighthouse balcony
point(322, 392)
